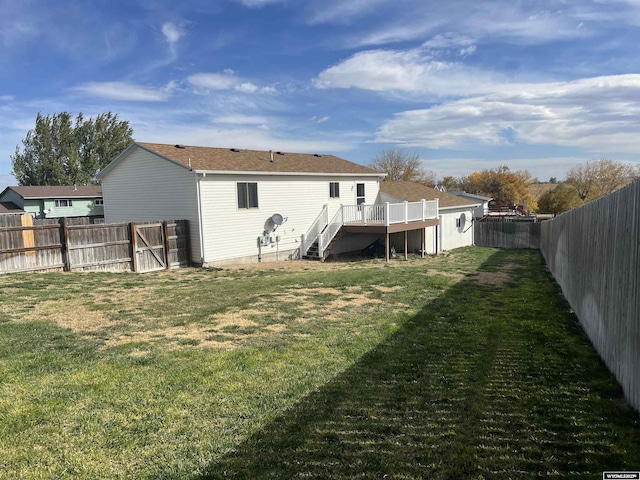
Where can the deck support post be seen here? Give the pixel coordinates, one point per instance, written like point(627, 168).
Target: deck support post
point(406, 243)
point(386, 246)
point(423, 242)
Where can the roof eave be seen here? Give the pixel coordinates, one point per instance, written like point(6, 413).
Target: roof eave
point(298, 174)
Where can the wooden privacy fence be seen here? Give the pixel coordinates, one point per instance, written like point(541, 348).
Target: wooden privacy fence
point(507, 234)
point(28, 245)
point(594, 254)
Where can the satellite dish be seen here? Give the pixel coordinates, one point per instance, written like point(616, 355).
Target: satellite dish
point(277, 219)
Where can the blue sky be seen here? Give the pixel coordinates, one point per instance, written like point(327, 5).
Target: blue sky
point(536, 85)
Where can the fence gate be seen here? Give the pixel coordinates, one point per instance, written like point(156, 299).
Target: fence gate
point(149, 247)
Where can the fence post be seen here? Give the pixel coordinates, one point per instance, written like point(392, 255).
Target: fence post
point(406, 212)
point(387, 211)
point(187, 240)
point(134, 246)
point(65, 245)
point(424, 209)
point(165, 233)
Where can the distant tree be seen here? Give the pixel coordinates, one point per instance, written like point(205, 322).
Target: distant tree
point(562, 198)
point(506, 187)
point(553, 180)
point(597, 178)
point(450, 183)
point(399, 164)
point(60, 151)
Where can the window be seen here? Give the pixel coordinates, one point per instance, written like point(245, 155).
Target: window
point(334, 189)
point(359, 193)
point(247, 195)
point(98, 201)
point(62, 203)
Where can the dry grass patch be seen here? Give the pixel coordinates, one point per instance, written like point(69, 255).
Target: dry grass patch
point(237, 318)
point(382, 288)
point(77, 318)
point(493, 279)
point(178, 338)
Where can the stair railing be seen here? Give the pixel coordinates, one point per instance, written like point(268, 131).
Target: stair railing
point(316, 227)
point(325, 237)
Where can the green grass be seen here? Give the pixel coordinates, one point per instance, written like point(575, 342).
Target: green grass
point(462, 366)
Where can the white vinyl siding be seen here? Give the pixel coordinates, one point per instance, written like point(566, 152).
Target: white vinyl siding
point(232, 233)
point(452, 235)
point(145, 187)
point(449, 235)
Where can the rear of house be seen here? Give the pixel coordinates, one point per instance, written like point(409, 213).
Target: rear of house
point(231, 197)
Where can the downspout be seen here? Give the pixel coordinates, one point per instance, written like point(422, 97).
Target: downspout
point(201, 226)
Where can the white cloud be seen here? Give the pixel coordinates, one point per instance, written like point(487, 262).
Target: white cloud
point(241, 120)
point(6, 98)
point(413, 71)
point(214, 81)
point(126, 91)
point(246, 87)
point(343, 11)
point(227, 80)
point(315, 119)
point(172, 32)
point(596, 114)
point(512, 22)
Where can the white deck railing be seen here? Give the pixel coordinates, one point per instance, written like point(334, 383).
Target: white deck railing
point(316, 228)
point(385, 214)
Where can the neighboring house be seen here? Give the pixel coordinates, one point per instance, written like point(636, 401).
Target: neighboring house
point(56, 201)
point(456, 216)
point(245, 205)
point(481, 210)
point(10, 208)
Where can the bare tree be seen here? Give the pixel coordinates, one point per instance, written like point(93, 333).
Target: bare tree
point(399, 164)
point(598, 178)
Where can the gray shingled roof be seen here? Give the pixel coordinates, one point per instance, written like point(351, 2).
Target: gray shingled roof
point(414, 192)
point(236, 160)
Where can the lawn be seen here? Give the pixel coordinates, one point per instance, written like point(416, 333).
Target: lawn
point(468, 365)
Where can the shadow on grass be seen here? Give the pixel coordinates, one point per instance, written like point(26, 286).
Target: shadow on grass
point(487, 381)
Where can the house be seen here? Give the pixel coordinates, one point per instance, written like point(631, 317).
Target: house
point(249, 205)
point(456, 216)
point(56, 201)
point(481, 210)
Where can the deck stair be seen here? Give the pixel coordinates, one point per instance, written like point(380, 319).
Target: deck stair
point(314, 254)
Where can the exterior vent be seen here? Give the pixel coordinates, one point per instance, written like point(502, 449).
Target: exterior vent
point(180, 146)
point(316, 155)
point(234, 150)
point(280, 153)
